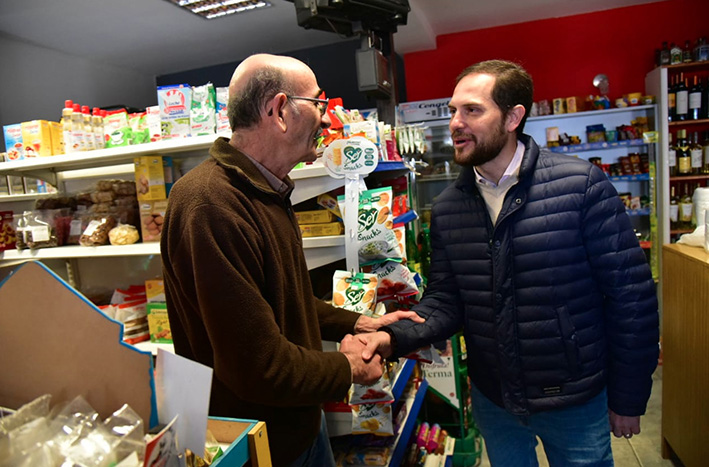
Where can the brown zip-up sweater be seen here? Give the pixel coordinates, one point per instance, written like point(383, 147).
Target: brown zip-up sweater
point(240, 300)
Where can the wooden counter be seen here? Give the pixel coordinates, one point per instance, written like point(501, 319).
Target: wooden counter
point(685, 346)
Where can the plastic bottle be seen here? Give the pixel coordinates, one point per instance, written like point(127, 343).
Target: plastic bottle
point(77, 129)
point(67, 111)
point(97, 128)
point(89, 142)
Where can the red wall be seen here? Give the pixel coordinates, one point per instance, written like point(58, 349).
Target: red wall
point(564, 54)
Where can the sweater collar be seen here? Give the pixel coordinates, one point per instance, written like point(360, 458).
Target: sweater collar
point(230, 157)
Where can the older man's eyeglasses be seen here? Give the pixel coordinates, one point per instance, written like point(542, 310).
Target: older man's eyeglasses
point(321, 104)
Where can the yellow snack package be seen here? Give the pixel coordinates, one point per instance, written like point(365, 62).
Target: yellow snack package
point(355, 292)
point(373, 419)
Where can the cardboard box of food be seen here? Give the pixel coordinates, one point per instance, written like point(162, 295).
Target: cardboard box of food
point(158, 323)
point(320, 216)
point(57, 138)
point(37, 138)
point(155, 290)
point(150, 178)
point(13, 142)
point(321, 230)
point(152, 215)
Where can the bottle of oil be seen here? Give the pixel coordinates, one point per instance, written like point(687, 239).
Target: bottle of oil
point(89, 141)
point(67, 112)
point(77, 129)
point(97, 128)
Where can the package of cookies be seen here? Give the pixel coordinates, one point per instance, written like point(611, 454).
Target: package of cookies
point(152, 215)
point(375, 231)
point(96, 232)
point(355, 291)
point(373, 419)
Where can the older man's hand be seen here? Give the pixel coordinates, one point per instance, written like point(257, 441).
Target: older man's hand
point(367, 324)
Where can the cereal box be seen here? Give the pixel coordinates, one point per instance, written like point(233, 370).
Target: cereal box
point(13, 142)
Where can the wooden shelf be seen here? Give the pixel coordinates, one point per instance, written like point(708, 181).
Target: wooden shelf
point(689, 122)
point(687, 66)
point(688, 178)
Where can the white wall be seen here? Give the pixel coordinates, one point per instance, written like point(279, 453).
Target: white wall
point(35, 81)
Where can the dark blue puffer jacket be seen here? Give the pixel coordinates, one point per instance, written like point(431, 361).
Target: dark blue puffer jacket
point(556, 300)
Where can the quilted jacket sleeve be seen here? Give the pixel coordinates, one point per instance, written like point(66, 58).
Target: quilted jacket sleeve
point(623, 274)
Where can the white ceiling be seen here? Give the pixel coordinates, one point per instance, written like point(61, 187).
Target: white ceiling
point(155, 37)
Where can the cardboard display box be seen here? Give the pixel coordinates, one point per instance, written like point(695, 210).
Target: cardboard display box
point(57, 342)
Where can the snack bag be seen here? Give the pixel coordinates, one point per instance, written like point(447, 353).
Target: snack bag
point(375, 232)
point(139, 128)
point(96, 232)
point(395, 279)
point(203, 110)
point(116, 129)
point(378, 392)
point(355, 292)
point(374, 419)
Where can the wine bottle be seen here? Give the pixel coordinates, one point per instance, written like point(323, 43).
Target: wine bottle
point(685, 209)
point(684, 159)
point(674, 209)
point(705, 153)
point(682, 99)
point(672, 157)
point(695, 154)
point(672, 100)
point(695, 100)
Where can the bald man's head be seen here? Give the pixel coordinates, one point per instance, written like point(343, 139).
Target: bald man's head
point(257, 80)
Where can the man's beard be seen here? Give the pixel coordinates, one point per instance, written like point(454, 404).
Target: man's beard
point(483, 152)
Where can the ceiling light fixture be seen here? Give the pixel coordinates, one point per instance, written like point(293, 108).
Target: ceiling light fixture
point(211, 9)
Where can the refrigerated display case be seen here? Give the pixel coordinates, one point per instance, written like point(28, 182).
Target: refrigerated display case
point(435, 168)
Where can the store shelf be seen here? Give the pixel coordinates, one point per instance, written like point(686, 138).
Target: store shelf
point(638, 212)
point(601, 145)
point(318, 251)
point(689, 178)
point(593, 113)
point(703, 121)
point(413, 406)
point(153, 347)
point(629, 178)
point(686, 66)
point(27, 197)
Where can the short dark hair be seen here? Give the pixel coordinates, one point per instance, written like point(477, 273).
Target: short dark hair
point(513, 86)
point(244, 109)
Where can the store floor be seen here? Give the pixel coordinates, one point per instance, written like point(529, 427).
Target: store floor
point(642, 450)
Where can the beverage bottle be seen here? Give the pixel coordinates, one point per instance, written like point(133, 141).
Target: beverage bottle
point(66, 126)
point(672, 100)
point(705, 100)
point(664, 54)
point(684, 159)
point(687, 52)
point(695, 100)
point(705, 153)
point(89, 141)
point(97, 128)
point(675, 54)
point(77, 129)
point(685, 209)
point(682, 99)
point(674, 209)
point(672, 157)
point(425, 252)
point(695, 153)
point(412, 251)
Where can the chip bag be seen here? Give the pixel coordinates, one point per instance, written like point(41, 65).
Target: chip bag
point(375, 230)
point(395, 279)
point(374, 419)
point(355, 292)
point(376, 393)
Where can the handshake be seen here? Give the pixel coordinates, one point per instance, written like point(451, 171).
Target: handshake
point(368, 348)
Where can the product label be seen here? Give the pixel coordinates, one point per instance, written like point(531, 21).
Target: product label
point(685, 166)
point(706, 155)
point(695, 100)
point(674, 213)
point(696, 156)
point(682, 99)
point(686, 212)
point(672, 158)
